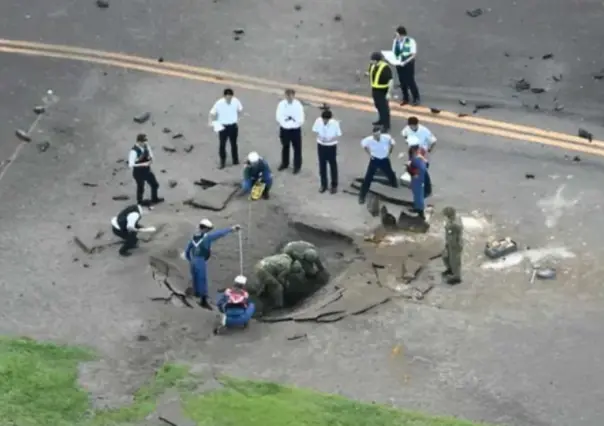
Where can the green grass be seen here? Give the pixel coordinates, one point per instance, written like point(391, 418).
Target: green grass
point(38, 387)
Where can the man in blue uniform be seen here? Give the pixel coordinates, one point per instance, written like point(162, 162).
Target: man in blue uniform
point(256, 169)
point(198, 252)
point(234, 305)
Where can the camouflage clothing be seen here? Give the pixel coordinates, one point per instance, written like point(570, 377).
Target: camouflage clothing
point(307, 254)
point(453, 244)
point(272, 277)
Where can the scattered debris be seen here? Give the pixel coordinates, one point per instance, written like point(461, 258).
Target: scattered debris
point(297, 7)
point(557, 78)
point(172, 183)
point(160, 59)
point(475, 13)
point(585, 134)
point(163, 171)
point(478, 107)
point(43, 146)
point(85, 265)
point(238, 31)
point(462, 102)
point(68, 227)
point(576, 159)
point(166, 130)
point(506, 54)
point(434, 110)
point(142, 338)
point(142, 118)
point(188, 148)
point(522, 85)
point(537, 90)
point(178, 136)
point(98, 235)
point(23, 136)
point(297, 337)
point(536, 107)
point(529, 176)
point(168, 149)
point(599, 75)
point(546, 273)
point(120, 198)
point(40, 109)
point(205, 183)
point(462, 114)
point(102, 4)
point(558, 107)
point(547, 56)
point(337, 18)
point(495, 249)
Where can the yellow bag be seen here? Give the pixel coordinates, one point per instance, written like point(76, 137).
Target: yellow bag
point(257, 190)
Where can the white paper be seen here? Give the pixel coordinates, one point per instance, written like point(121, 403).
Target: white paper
point(148, 229)
point(390, 58)
point(217, 127)
point(406, 177)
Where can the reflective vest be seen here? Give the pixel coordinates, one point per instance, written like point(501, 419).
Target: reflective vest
point(375, 72)
point(236, 296)
point(402, 52)
point(199, 250)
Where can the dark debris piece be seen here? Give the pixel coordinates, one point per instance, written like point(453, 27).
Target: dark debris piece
point(599, 76)
point(297, 8)
point(547, 56)
point(22, 135)
point(434, 110)
point(102, 4)
point(239, 31)
point(537, 90)
point(188, 148)
point(337, 18)
point(529, 176)
point(557, 78)
point(576, 159)
point(462, 102)
point(166, 130)
point(40, 109)
point(172, 183)
point(168, 149)
point(522, 85)
point(585, 134)
point(475, 13)
point(160, 59)
point(178, 136)
point(120, 198)
point(142, 118)
point(297, 336)
point(43, 146)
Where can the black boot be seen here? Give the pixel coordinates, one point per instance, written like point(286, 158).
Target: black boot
point(266, 195)
point(203, 302)
point(157, 200)
point(282, 167)
point(322, 189)
point(454, 280)
point(446, 272)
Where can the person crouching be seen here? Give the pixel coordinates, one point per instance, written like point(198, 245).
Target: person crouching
point(234, 305)
point(256, 170)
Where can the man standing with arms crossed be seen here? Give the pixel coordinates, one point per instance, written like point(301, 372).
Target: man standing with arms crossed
point(290, 116)
point(405, 50)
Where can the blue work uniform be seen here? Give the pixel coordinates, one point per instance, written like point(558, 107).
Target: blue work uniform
point(253, 172)
point(418, 171)
point(237, 314)
point(198, 252)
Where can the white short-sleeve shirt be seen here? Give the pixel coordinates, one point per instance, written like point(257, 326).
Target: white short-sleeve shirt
point(378, 149)
point(423, 134)
point(227, 113)
point(327, 132)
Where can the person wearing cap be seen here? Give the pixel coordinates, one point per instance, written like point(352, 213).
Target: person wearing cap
point(139, 160)
point(380, 77)
point(417, 169)
point(126, 226)
point(290, 116)
point(405, 51)
point(256, 169)
point(328, 131)
point(198, 252)
point(234, 305)
point(379, 147)
point(224, 117)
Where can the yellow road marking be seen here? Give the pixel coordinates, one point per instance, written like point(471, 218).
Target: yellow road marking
point(156, 68)
point(300, 88)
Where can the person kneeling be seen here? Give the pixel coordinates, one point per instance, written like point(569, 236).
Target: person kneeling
point(256, 171)
point(234, 305)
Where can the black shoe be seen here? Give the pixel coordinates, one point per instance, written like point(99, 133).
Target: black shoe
point(403, 103)
point(296, 171)
point(416, 102)
point(376, 123)
point(265, 195)
point(222, 166)
point(157, 200)
point(322, 190)
point(453, 281)
point(361, 200)
point(235, 163)
point(446, 272)
point(334, 190)
point(125, 253)
point(282, 167)
point(203, 302)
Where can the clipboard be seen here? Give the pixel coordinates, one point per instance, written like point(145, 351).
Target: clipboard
point(217, 127)
point(390, 58)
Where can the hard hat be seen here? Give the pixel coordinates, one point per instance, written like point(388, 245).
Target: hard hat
point(205, 223)
point(412, 140)
point(253, 157)
point(240, 279)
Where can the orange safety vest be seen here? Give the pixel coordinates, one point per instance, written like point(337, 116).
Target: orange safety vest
point(375, 72)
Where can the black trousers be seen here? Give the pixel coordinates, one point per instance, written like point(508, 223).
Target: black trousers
point(129, 239)
point(374, 165)
point(406, 78)
point(328, 157)
point(144, 175)
point(291, 138)
point(382, 106)
point(229, 133)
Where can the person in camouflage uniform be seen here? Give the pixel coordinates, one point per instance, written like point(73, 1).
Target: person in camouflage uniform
point(307, 254)
point(453, 246)
point(272, 275)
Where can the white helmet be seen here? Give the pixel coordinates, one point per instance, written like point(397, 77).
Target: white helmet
point(205, 223)
point(253, 157)
point(413, 140)
point(241, 280)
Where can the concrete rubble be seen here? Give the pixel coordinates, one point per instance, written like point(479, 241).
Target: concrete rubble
point(214, 196)
point(94, 239)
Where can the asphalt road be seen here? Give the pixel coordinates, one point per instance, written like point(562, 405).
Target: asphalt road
point(495, 348)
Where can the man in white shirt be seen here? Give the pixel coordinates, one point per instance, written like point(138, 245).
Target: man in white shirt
point(415, 133)
point(405, 50)
point(328, 131)
point(290, 116)
point(224, 116)
point(139, 160)
point(126, 226)
point(379, 147)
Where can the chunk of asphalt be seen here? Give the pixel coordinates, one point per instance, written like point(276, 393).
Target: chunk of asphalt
point(172, 183)
point(548, 56)
point(43, 146)
point(160, 59)
point(576, 159)
point(557, 78)
point(120, 198)
point(297, 337)
point(168, 149)
point(178, 136)
point(239, 31)
point(582, 133)
point(599, 76)
point(529, 176)
point(474, 13)
point(188, 148)
point(297, 7)
point(559, 107)
point(142, 118)
point(434, 110)
point(40, 109)
point(102, 4)
point(462, 102)
point(337, 18)
point(522, 85)
point(89, 184)
point(22, 135)
point(166, 130)
point(537, 90)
